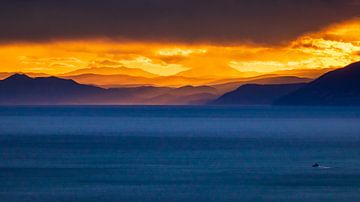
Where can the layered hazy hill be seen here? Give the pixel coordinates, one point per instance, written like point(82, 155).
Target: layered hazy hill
point(338, 87)
point(112, 71)
point(118, 80)
point(119, 77)
point(223, 85)
point(23, 90)
point(115, 77)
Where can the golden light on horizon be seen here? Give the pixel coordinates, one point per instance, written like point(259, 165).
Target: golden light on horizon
point(334, 46)
point(180, 51)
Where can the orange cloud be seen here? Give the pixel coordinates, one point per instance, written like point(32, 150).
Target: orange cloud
point(334, 46)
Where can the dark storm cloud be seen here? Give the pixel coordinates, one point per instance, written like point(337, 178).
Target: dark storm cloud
point(218, 21)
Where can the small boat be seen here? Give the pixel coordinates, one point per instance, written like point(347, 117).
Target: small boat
point(316, 165)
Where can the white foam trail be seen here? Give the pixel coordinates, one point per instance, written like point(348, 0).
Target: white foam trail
point(324, 167)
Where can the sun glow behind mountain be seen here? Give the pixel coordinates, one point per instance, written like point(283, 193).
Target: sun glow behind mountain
point(332, 47)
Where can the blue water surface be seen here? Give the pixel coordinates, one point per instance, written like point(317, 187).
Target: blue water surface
point(179, 153)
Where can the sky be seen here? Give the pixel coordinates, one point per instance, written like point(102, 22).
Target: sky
point(198, 39)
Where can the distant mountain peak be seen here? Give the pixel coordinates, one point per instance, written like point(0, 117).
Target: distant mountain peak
point(112, 71)
point(355, 65)
point(18, 77)
point(352, 71)
point(338, 87)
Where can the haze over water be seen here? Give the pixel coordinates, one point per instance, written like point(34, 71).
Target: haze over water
point(185, 153)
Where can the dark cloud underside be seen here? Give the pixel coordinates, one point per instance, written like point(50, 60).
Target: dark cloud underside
point(217, 21)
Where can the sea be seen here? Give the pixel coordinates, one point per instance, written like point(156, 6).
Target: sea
point(179, 153)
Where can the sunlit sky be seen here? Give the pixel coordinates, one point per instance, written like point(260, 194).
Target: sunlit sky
point(332, 45)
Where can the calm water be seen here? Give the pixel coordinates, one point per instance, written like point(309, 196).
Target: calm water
point(179, 154)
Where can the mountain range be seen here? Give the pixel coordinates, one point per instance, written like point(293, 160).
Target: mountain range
point(118, 77)
point(20, 89)
point(338, 87)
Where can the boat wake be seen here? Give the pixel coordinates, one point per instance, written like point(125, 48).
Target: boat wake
point(324, 167)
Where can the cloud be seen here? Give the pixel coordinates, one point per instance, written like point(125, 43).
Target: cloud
point(152, 66)
point(51, 63)
point(183, 21)
point(355, 2)
point(333, 46)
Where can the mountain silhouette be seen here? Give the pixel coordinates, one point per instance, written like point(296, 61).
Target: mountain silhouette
point(254, 94)
point(338, 87)
point(20, 89)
